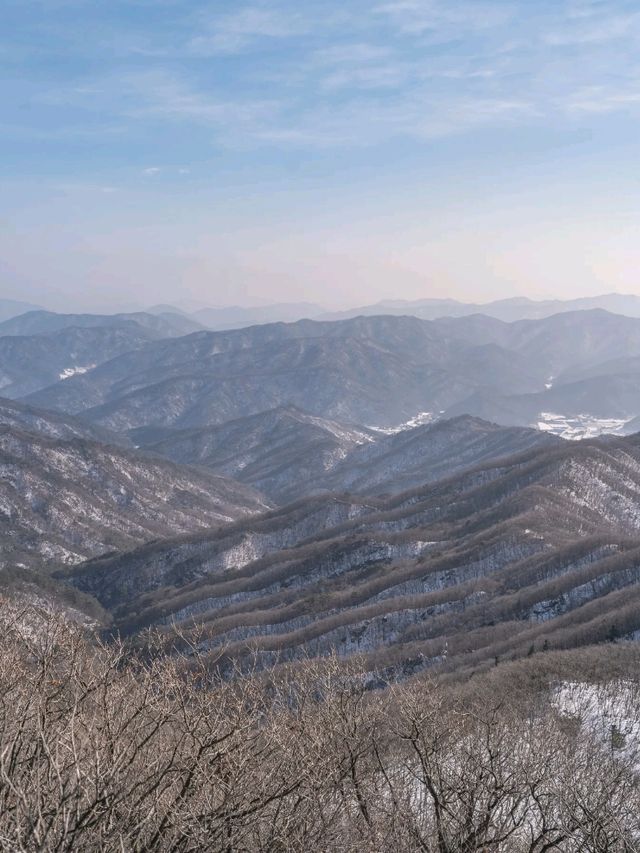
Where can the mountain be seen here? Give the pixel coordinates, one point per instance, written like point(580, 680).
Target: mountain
point(165, 308)
point(162, 325)
point(604, 397)
point(556, 344)
point(539, 550)
point(12, 307)
point(62, 500)
point(40, 348)
point(379, 371)
point(509, 310)
point(31, 362)
point(54, 424)
point(407, 459)
point(283, 452)
point(287, 453)
point(237, 317)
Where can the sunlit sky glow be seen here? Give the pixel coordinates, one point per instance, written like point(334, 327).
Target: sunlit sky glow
point(336, 152)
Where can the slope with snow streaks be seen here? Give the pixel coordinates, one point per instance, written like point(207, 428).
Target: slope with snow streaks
point(62, 501)
point(426, 453)
point(497, 560)
point(284, 452)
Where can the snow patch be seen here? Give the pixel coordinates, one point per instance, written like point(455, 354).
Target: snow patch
point(417, 420)
point(609, 712)
point(578, 427)
point(68, 372)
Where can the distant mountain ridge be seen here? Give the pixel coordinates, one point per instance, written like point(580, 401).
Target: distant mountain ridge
point(509, 310)
point(31, 362)
point(40, 348)
point(12, 308)
point(40, 322)
point(237, 317)
point(378, 371)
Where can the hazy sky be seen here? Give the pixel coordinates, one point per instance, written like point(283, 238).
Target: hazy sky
point(338, 151)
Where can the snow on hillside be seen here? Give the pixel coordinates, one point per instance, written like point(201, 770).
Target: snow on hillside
point(579, 427)
point(68, 372)
point(417, 420)
point(609, 712)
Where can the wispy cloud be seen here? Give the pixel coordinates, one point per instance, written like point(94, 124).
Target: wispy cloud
point(444, 19)
point(363, 123)
point(602, 99)
point(588, 30)
point(163, 95)
point(242, 29)
point(323, 73)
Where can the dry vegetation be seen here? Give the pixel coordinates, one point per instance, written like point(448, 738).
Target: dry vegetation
point(106, 750)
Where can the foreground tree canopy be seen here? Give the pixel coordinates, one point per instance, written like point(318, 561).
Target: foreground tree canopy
point(102, 750)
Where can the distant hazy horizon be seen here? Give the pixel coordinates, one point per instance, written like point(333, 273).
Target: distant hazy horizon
point(321, 310)
point(337, 153)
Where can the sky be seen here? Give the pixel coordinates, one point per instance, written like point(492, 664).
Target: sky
point(339, 152)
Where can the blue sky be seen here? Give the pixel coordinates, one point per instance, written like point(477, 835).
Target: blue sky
point(341, 152)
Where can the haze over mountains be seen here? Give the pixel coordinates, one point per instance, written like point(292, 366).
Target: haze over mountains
point(377, 371)
point(237, 316)
point(13, 307)
point(386, 484)
point(509, 310)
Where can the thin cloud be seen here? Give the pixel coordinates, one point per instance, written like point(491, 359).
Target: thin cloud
point(164, 95)
point(241, 30)
point(600, 99)
point(351, 74)
point(442, 18)
point(606, 28)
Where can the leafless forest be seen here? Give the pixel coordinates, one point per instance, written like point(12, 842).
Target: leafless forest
point(105, 750)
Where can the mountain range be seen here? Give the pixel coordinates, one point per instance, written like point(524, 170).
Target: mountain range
point(538, 550)
point(391, 486)
point(509, 310)
point(287, 453)
point(377, 371)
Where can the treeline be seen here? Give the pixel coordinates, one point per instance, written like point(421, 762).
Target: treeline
point(106, 750)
